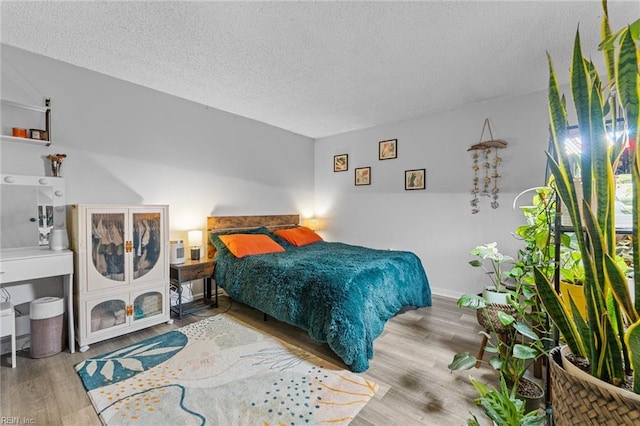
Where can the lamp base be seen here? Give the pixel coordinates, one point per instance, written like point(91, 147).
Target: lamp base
point(195, 254)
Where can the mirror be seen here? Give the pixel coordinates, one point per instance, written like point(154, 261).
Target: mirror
point(30, 207)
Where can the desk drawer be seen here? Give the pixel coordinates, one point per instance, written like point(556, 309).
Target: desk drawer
point(195, 272)
point(34, 268)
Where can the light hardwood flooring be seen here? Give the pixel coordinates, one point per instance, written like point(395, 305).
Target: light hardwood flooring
point(410, 365)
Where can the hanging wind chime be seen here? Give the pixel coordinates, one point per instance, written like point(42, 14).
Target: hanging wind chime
point(481, 155)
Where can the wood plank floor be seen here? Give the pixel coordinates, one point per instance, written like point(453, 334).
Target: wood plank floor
point(409, 364)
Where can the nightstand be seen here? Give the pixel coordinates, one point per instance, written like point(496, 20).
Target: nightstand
point(188, 271)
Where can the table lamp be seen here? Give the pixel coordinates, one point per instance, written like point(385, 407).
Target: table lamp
point(195, 241)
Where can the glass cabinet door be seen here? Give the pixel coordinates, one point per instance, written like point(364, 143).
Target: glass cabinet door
point(147, 250)
point(107, 314)
point(146, 242)
point(147, 305)
point(106, 247)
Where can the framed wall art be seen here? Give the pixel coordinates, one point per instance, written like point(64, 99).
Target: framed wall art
point(341, 163)
point(388, 149)
point(363, 176)
point(414, 179)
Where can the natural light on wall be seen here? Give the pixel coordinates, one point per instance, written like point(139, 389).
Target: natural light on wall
point(312, 223)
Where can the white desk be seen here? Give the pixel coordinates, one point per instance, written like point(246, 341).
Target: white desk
point(31, 263)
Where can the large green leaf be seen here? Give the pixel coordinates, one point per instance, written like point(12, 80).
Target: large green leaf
point(627, 78)
point(462, 361)
point(558, 313)
point(632, 339)
point(620, 289)
point(581, 99)
point(524, 351)
point(628, 83)
point(526, 330)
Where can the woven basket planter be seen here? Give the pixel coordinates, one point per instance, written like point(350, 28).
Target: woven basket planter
point(580, 400)
point(488, 317)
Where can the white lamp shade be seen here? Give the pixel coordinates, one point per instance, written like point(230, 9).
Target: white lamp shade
point(195, 238)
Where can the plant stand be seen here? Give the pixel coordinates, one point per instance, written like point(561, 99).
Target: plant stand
point(488, 319)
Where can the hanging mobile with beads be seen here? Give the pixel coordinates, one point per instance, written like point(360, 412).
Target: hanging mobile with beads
point(494, 192)
point(475, 190)
point(486, 166)
point(491, 173)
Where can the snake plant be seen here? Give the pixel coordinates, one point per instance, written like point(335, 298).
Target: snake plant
point(609, 337)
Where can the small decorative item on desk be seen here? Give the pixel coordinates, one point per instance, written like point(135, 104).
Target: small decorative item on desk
point(56, 163)
point(195, 241)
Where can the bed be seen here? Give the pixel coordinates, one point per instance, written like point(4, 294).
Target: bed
point(340, 294)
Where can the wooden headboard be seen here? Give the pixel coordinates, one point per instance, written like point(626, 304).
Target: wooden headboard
point(227, 223)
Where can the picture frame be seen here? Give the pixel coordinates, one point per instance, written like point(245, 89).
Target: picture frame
point(362, 176)
point(341, 163)
point(415, 179)
point(388, 149)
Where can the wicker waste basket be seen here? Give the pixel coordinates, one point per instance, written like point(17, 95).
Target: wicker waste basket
point(47, 326)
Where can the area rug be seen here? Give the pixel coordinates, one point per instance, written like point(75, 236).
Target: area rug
point(221, 371)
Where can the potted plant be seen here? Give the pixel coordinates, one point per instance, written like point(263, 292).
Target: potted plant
point(488, 254)
point(608, 339)
point(513, 341)
point(516, 336)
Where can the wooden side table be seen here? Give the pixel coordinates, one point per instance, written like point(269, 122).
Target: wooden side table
point(188, 271)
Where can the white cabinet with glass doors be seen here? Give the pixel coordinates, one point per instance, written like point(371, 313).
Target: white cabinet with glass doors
point(121, 280)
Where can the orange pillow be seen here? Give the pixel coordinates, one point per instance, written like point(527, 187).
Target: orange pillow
point(242, 245)
point(299, 236)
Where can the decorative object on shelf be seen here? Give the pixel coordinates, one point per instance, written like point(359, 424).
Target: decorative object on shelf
point(56, 163)
point(388, 149)
point(19, 132)
point(195, 242)
point(414, 179)
point(491, 173)
point(38, 134)
point(341, 163)
point(363, 176)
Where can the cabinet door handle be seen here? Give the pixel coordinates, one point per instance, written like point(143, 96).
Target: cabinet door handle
point(128, 246)
point(129, 310)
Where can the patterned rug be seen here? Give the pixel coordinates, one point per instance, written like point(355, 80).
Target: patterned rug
point(221, 371)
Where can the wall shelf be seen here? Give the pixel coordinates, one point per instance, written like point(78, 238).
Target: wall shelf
point(46, 109)
point(7, 138)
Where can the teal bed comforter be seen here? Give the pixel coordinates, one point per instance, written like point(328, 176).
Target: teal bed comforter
point(340, 294)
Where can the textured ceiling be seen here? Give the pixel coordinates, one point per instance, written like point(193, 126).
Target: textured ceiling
point(318, 68)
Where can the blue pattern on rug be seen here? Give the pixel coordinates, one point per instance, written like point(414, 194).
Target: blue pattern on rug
point(124, 363)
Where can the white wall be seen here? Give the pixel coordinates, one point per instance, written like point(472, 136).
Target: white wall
point(435, 223)
point(129, 144)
